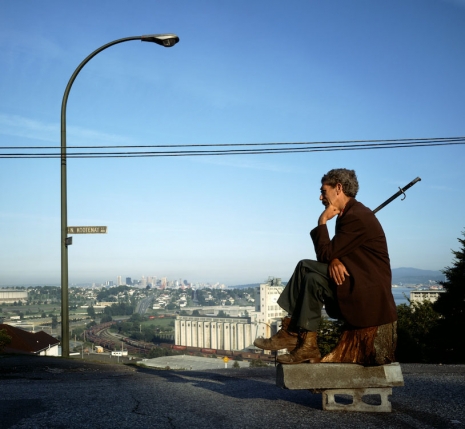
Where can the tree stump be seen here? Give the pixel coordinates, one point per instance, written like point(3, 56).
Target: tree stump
point(365, 346)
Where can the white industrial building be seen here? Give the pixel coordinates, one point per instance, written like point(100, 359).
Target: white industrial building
point(222, 333)
point(12, 295)
point(425, 295)
point(269, 313)
point(234, 333)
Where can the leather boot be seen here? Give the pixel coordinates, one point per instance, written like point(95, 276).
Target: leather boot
point(306, 351)
point(283, 339)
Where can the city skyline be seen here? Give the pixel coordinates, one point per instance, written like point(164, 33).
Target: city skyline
point(242, 73)
point(402, 275)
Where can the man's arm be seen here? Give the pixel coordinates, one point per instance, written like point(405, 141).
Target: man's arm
point(328, 213)
point(350, 235)
point(337, 270)
point(352, 232)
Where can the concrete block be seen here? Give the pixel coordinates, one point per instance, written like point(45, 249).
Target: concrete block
point(322, 376)
point(330, 404)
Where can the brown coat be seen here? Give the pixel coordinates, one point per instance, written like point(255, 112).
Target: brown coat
point(365, 297)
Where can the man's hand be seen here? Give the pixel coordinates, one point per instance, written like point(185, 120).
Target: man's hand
point(329, 212)
point(337, 271)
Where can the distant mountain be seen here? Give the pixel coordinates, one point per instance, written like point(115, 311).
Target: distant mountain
point(414, 275)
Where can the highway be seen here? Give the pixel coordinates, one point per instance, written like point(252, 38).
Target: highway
point(144, 305)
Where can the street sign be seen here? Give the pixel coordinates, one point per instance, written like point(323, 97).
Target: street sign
point(87, 229)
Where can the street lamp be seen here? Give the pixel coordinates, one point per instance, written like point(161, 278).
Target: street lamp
point(166, 40)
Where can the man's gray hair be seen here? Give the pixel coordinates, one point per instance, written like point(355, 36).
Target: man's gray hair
point(347, 178)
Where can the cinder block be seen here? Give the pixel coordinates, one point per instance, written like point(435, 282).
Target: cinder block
point(330, 404)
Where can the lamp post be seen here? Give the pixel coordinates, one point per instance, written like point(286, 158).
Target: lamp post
point(166, 40)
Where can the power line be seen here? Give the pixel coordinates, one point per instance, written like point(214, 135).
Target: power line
point(233, 148)
point(436, 139)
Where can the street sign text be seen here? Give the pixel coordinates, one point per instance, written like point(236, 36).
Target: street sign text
point(87, 229)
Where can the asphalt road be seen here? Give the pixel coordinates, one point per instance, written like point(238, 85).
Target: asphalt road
point(46, 392)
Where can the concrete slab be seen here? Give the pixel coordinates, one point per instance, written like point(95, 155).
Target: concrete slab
point(190, 363)
point(322, 376)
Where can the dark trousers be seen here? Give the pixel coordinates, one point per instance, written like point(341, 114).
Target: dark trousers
point(308, 289)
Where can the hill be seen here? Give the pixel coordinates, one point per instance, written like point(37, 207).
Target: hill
point(409, 275)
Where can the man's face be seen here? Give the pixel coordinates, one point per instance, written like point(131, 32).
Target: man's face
point(328, 194)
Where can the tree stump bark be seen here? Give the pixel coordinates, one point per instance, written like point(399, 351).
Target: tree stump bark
point(365, 346)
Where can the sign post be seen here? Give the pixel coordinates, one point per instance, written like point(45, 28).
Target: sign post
point(64, 288)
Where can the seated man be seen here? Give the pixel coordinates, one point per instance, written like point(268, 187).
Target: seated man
point(352, 276)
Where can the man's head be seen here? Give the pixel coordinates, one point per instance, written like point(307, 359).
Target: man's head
point(347, 179)
point(338, 186)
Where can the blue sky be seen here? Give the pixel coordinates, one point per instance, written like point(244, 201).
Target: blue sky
point(243, 72)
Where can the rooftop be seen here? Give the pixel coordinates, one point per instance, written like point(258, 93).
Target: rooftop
point(27, 342)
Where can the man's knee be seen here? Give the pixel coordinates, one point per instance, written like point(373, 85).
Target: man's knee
point(310, 266)
point(300, 265)
point(314, 281)
point(306, 265)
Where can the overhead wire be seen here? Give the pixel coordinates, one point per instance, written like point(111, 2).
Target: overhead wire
point(232, 148)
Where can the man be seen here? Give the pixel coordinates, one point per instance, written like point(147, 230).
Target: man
point(351, 277)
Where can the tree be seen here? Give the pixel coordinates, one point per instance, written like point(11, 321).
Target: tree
point(329, 333)
point(91, 324)
point(416, 324)
point(257, 363)
point(54, 322)
point(158, 352)
point(451, 306)
point(122, 308)
point(91, 312)
point(5, 339)
point(136, 318)
point(106, 318)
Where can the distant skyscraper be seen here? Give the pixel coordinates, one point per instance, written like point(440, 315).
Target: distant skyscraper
point(128, 281)
point(119, 281)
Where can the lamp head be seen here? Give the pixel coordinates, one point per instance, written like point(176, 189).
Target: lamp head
point(166, 40)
